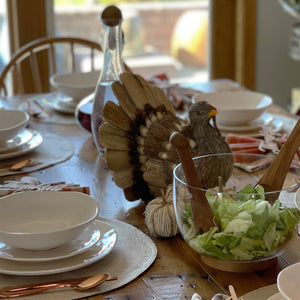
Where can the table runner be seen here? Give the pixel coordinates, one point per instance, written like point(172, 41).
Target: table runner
point(133, 254)
point(53, 150)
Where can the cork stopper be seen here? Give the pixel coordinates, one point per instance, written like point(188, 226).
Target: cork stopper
point(111, 16)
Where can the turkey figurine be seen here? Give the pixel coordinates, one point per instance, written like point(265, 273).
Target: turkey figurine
point(135, 135)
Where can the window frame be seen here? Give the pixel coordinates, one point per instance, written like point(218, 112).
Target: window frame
point(232, 34)
point(233, 40)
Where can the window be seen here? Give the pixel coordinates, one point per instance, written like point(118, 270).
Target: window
point(160, 36)
point(232, 32)
point(4, 39)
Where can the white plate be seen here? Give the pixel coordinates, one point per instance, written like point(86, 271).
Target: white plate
point(20, 139)
point(58, 102)
point(84, 241)
point(288, 281)
point(297, 199)
point(33, 143)
point(277, 296)
point(264, 120)
point(101, 249)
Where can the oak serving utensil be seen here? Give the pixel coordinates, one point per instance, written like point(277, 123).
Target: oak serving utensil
point(202, 213)
point(233, 295)
point(20, 165)
point(80, 284)
point(273, 178)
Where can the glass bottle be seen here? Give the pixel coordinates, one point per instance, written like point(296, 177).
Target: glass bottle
point(89, 111)
point(112, 67)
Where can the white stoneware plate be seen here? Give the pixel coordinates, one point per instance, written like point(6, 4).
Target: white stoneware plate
point(97, 252)
point(277, 296)
point(59, 102)
point(297, 199)
point(288, 282)
point(33, 143)
point(85, 240)
point(19, 140)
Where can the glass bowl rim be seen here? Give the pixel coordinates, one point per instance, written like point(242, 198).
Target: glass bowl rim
point(224, 192)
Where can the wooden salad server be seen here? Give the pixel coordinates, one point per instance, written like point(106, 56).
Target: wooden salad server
point(275, 175)
point(201, 211)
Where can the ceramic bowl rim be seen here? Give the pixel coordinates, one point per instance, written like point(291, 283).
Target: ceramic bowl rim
point(20, 124)
point(221, 154)
point(92, 215)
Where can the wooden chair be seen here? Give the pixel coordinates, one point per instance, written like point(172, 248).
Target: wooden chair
point(33, 64)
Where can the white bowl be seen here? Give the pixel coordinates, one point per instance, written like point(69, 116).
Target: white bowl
point(288, 282)
point(75, 85)
point(236, 108)
point(11, 123)
point(40, 220)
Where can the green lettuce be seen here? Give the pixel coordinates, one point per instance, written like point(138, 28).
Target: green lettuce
point(249, 226)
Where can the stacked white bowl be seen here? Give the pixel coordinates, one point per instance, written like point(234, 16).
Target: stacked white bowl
point(75, 85)
point(236, 108)
point(11, 123)
point(41, 220)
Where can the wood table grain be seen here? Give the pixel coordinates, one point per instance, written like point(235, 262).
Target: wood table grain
point(178, 271)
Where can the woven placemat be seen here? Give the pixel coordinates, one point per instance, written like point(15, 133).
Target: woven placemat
point(53, 150)
point(133, 253)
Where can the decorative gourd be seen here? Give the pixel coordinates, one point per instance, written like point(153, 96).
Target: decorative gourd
point(160, 215)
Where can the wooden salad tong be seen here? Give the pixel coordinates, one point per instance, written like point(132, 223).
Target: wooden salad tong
point(201, 210)
point(275, 175)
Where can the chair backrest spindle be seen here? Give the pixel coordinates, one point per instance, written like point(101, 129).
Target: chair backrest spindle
point(73, 57)
point(52, 58)
point(30, 50)
point(35, 71)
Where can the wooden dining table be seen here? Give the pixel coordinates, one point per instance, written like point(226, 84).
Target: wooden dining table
point(178, 271)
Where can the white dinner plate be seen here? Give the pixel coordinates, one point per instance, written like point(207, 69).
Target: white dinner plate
point(277, 296)
point(297, 199)
point(58, 102)
point(97, 252)
point(33, 143)
point(255, 125)
point(20, 139)
point(83, 242)
point(288, 281)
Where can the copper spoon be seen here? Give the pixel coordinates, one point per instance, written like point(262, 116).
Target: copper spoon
point(19, 165)
point(201, 210)
point(86, 284)
point(275, 175)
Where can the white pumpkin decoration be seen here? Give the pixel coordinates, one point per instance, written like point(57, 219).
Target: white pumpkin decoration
point(160, 215)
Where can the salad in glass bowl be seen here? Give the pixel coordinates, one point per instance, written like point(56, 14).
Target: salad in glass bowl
point(248, 228)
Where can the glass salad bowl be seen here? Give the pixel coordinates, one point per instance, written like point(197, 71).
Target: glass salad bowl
point(249, 231)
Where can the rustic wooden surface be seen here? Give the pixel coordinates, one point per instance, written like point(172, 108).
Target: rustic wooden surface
point(178, 271)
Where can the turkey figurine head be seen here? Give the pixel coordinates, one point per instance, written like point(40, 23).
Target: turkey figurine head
point(201, 113)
